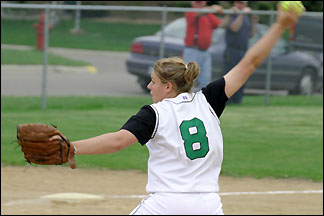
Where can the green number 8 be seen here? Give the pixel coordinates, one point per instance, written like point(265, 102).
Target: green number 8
point(198, 136)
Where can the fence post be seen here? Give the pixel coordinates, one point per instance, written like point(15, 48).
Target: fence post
point(269, 69)
point(77, 18)
point(164, 18)
point(44, 77)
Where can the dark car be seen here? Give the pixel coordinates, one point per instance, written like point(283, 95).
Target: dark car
point(295, 71)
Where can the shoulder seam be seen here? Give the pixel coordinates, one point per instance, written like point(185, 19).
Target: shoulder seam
point(156, 121)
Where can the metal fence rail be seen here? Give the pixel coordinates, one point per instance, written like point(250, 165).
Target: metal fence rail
point(134, 8)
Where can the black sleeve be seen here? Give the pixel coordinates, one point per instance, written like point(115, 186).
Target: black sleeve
point(215, 95)
point(142, 124)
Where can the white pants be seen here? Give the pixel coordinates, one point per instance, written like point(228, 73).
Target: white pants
point(180, 203)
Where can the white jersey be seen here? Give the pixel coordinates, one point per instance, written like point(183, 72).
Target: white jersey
point(186, 149)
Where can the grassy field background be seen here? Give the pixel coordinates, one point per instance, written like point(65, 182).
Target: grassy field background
point(36, 57)
point(114, 36)
point(284, 139)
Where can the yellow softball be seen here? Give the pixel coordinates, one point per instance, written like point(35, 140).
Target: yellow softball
point(297, 6)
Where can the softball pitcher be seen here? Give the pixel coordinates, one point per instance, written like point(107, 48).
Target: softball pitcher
point(182, 131)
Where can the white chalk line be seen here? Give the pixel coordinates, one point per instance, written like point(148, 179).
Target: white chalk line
point(233, 193)
point(23, 202)
point(38, 201)
point(271, 192)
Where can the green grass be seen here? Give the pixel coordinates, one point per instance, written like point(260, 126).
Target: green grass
point(275, 141)
point(10, 56)
point(96, 36)
point(284, 139)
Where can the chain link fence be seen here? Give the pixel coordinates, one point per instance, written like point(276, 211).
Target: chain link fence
point(305, 40)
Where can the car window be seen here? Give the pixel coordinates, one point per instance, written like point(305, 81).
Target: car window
point(260, 31)
point(218, 33)
point(279, 47)
point(304, 36)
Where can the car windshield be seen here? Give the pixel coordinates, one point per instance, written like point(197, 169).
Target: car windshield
point(177, 29)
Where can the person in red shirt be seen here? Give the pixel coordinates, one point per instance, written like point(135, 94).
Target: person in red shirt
point(198, 38)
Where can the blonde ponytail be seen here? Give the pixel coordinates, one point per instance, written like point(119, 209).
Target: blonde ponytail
point(175, 70)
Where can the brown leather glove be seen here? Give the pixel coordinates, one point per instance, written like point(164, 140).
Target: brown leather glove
point(34, 141)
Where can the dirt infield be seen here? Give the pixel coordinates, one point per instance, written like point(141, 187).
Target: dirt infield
point(22, 187)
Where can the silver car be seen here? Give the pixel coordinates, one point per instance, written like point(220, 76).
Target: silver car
point(296, 71)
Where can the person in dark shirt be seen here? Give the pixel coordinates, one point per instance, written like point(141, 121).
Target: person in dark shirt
point(181, 130)
point(239, 28)
point(199, 32)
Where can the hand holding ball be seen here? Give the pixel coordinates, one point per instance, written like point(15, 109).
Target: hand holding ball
point(297, 6)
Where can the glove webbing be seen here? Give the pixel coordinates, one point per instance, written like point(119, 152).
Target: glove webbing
point(68, 143)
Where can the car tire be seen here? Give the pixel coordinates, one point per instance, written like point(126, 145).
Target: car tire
point(306, 84)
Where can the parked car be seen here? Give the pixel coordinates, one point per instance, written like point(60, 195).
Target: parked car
point(295, 71)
